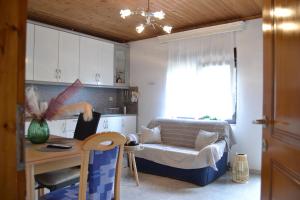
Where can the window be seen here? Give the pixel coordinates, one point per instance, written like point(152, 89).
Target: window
point(201, 78)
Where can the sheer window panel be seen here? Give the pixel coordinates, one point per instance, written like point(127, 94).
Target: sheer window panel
point(201, 78)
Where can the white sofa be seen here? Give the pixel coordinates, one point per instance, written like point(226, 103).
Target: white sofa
point(176, 156)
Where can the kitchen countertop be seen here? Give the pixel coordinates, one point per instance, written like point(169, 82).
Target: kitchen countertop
point(76, 116)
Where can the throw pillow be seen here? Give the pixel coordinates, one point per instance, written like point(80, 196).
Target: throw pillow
point(205, 138)
point(150, 136)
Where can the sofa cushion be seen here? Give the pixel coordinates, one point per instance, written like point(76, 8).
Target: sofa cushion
point(148, 135)
point(205, 138)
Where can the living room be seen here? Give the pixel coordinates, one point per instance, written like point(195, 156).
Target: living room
point(191, 99)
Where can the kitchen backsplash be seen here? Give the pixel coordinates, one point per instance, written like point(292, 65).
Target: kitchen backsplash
point(100, 98)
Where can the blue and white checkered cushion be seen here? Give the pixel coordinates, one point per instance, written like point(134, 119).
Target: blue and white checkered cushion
point(101, 176)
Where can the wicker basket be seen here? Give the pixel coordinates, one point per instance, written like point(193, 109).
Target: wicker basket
point(240, 169)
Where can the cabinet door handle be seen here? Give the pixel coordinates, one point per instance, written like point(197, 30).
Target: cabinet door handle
point(104, 124)
point(65, 127)
point(56, 74)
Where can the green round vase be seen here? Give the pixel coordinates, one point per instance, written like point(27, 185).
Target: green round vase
point(38, 131)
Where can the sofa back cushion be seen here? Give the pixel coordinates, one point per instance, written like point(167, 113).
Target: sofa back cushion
point(150, 136)
point(205, 138)
point(182, 132)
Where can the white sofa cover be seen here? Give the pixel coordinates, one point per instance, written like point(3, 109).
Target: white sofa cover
point(178, 139)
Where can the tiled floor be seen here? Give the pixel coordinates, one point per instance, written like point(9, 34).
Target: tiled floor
point(160, 188)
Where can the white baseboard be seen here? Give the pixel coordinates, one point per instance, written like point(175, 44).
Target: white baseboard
point(255, 171)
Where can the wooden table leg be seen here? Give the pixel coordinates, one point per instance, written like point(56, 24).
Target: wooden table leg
point(136, 176)
point(30, 182)
point(130, 162)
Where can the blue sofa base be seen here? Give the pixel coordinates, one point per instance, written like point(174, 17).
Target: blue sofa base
point(201, 176)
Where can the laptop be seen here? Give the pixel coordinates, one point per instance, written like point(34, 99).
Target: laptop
point(85, 129)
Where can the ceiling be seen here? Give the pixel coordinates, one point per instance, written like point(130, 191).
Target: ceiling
point(101, 17)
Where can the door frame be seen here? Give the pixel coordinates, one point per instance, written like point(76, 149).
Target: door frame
point(13, 15)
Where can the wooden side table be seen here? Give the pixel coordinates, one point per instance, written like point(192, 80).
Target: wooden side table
point(132, 165)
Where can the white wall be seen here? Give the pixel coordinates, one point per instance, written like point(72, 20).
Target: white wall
point(250, 92)
point(148, 67)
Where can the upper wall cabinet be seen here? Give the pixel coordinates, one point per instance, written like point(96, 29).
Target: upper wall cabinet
point(96, 62)
point(68, 57)
point(46, 54)
point(121, 76)
point(58, 56)
point(106, 63)
point(29, 51)
point(89, 60)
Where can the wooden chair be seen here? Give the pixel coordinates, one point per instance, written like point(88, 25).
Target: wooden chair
point(102, 154)
point(65, 177)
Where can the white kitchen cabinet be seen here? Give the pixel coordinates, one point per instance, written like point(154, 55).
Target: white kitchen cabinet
point(68, 57)
point(89, 61)
point(46, 54)
point(29, 51)
point(106, 71)
point(63, 128)
point(109, 124)
point(128, 124)
point(27, 123)
point(58, 56)
point(70, 127)
point(96, 62)
point(57, 127)
point(121, 64)
point(121, 124)
point(66, 127)
point(115, 124)
point(103, 125)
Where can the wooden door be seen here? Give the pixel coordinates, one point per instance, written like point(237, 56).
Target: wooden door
point(68, 62)
point(281, 157)
point(12, 78)
point(45, 54)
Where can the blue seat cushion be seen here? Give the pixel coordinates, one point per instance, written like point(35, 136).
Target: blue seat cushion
point(101, 176)
point(69, 193)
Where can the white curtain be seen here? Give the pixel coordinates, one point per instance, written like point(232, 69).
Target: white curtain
point(201, 77)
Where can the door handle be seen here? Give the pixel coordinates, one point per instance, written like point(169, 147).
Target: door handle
point(265, 121)
point(260, 121)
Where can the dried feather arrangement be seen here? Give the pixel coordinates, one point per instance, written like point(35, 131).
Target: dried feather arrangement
point(56, 103)
point(81, 107)
point(32, 103)
point(56, 108)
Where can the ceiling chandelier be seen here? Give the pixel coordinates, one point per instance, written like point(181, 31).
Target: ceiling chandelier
point(152, 19)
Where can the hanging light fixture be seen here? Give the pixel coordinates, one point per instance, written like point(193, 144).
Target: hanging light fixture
point(151, 19)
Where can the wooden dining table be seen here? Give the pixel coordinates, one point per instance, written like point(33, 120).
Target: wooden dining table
point(40, 159)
